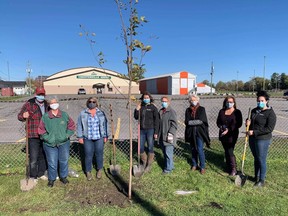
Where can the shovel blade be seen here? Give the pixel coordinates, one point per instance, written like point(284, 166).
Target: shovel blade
point(27, 184)
point(138, 170)
point(240, 180)
point(115, 170)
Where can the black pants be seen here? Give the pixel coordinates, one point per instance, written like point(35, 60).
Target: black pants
point(37, 159)
point(229, 155)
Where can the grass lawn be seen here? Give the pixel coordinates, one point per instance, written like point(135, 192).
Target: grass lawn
point(153, 194)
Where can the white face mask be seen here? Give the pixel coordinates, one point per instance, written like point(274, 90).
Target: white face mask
point(54, 106)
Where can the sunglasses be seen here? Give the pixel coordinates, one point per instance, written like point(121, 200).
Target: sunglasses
point(92, 101)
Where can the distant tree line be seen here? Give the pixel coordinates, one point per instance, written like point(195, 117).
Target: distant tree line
point(277, 82)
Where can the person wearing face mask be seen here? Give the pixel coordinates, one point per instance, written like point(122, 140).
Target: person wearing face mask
point(149, 127)
point(56, 128)
point(167, 133)
point(229, 121)
point(32, 112)
point(196, 132)
point(261, 125)
point(92, 131)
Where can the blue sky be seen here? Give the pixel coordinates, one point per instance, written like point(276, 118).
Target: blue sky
point(184, 35)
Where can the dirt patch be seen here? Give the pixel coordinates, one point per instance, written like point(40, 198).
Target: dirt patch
point(97, 193)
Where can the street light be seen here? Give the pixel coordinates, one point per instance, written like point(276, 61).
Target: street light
point(264, 72)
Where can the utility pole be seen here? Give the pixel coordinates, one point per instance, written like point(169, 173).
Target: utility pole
point(264, 72)
point(237, 84)
point(28, 70)
point(253, 83)
point(212, 72)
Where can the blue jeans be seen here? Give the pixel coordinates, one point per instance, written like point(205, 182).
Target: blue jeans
point(259, 149)
point(198, 151)
point(147, 135)
point(91, 148)
point(54, 155)
point(168, 157)
point(37, 160)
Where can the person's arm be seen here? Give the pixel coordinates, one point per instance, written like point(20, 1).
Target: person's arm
point(21, 115)
point(80, 130)
point(70, 127)
point(268, 127)
point(173, 122)
point(156, 121)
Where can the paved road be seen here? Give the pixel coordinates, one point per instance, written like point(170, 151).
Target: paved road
point(11, 130)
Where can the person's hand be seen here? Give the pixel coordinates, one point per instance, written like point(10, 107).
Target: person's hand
point(105, 139)
point(26, 115)
point(155, 136)
point(250, 132)
point(81, 141)
point(138, 106)
point(224, 132)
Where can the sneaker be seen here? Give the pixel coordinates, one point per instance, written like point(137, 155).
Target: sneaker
point(89, 176)
point(64, 180)
point(99, 174)
point(260, 183)
point(43, 177)
point(165, 172)
point(193, 168)
point(50, 183)
point(35, 180)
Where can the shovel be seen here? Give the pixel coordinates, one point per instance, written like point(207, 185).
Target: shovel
point(114, 168)
point(138, 169)
point(28, 183)
point(241, 178)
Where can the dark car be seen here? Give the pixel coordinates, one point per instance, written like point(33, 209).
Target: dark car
point(285, 93)
point(81, 91)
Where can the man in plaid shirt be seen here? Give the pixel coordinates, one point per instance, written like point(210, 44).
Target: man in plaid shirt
point(32, 112)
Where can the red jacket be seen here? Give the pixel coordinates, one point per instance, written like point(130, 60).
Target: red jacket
point(35, 116)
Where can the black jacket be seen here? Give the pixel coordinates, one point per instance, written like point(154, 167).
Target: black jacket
point(149, 117)
point(262, 123)
point(201, 129)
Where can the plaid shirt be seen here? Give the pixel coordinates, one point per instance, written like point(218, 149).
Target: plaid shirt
point(35, 116)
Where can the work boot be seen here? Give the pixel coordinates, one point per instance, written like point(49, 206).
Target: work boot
point(233, 166)
point(50, 183)
point(64, 180)
point(149, 162)
point(99, 174)
point(143, 158)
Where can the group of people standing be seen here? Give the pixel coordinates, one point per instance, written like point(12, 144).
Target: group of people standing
point(49, 131)
point(162, 125)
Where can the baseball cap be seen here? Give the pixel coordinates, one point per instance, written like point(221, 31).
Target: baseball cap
point(40, 90)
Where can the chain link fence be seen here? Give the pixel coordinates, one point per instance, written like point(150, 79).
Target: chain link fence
point(12, 144)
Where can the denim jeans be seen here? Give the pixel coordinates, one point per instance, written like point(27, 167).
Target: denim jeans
point(198, 151)
point(147, 135)
point(37, 160)
point(259, 149)
point(58, 154)
point(91, 148)
point(168, 157)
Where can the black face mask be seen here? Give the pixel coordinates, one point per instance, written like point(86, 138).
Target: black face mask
point(91, 105)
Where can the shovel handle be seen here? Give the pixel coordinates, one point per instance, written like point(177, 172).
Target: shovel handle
point(246, 141)
point(113, 139)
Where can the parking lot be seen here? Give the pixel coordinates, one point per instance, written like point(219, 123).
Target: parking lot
point(12, 131)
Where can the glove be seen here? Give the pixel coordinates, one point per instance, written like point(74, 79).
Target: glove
point(170, 138)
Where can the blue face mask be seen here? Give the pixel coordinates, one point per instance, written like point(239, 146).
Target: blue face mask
point(146, 101)
point(40, 98)
point(261, 105)
point(229, 105)
point(164, 104)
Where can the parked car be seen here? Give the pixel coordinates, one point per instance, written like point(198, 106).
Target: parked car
point(81, 91)
point(285, 93)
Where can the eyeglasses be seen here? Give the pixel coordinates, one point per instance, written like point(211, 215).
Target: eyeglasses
point(92, 101)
